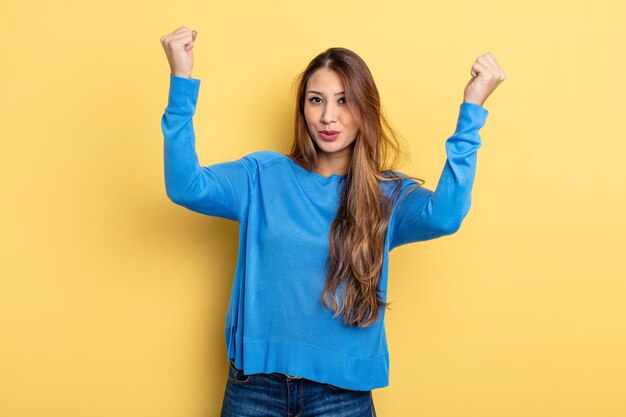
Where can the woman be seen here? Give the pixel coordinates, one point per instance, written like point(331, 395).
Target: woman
point(304, 328)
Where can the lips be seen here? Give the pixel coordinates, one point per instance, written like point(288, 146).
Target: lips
point(329, 135)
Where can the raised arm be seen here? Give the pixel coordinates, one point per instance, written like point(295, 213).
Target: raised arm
point(221, 189)
point(424, 214)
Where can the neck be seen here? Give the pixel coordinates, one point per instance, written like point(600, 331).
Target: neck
point(332, 164)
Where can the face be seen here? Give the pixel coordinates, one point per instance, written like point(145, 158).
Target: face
point(325, 109)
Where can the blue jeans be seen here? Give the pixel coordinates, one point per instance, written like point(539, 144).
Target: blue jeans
point(280, 395)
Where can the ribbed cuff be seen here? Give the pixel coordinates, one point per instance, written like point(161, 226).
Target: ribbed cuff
point(471, 116)
point(183, 94)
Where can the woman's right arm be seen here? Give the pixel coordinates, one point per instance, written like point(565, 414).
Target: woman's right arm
point(221, 189)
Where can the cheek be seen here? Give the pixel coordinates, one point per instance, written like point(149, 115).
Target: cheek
point(309, 113)
point(350, 121)
point(309, 121)
point(352, 125)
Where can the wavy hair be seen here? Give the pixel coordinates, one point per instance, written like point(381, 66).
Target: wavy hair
point(357, 234)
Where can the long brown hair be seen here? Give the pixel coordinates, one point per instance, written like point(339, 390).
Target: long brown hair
point(357, 234)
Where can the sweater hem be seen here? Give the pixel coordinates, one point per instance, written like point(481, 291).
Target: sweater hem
point(314, 363)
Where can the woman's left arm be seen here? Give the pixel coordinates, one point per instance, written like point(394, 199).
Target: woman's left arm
point(424, 214)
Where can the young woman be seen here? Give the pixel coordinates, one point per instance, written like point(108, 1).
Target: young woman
point(304, 328)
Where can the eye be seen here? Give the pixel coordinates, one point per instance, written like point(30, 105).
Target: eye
point(317, 100)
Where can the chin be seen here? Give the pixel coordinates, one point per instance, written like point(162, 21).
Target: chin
point(332, 147)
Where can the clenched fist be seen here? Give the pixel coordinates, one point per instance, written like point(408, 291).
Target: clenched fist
point(178, 47)
point(486, 76)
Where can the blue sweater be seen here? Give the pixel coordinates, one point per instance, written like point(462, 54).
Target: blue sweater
point(275, 320)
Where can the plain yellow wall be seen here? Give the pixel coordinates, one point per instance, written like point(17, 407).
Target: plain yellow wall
point(113, 299)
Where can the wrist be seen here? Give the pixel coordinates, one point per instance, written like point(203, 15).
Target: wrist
point(480, 103)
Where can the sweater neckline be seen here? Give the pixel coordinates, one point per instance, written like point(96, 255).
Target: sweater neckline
point(313, 174)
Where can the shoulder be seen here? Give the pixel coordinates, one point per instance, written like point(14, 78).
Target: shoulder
point(265, 158)
point(402, 186)
point(400, 177)
point(260, 161)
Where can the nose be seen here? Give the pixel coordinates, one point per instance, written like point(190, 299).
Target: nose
point(330, 114)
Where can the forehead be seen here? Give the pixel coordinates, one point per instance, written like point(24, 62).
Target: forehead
point(325, 79)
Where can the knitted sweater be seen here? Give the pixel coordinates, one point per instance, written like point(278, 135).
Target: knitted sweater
point(275, 320)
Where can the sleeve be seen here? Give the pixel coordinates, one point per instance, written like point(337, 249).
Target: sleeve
point(222, 189)
point(424, 214)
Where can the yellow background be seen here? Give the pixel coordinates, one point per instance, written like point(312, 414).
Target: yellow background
point(113, 299)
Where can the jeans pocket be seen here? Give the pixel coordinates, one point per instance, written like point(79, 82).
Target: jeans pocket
point(236, 375)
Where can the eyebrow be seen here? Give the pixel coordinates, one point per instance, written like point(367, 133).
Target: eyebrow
point(321, 94)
